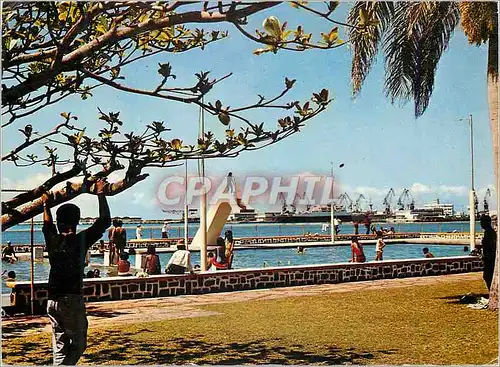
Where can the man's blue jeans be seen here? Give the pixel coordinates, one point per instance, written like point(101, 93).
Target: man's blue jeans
point(69, 328)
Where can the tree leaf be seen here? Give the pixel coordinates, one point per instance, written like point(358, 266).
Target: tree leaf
point(332, 5)
point(260, 51)
point(272, 26)
point(224, 118)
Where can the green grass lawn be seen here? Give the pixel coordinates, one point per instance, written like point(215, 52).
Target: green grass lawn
point(410, 325)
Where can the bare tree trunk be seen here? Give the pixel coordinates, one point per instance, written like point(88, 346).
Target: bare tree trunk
point(493, 107)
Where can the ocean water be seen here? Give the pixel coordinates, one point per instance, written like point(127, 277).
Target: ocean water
point(259, 258)
point(21, 234)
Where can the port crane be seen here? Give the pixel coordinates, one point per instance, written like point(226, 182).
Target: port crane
point(345, 201)
point(284, 207)
point(486, 206)
point(304, 198)
point(357, 204)
point(405, 200)
point(293, 205)
point(307, 200)
point(387, 201)
point(370, 204)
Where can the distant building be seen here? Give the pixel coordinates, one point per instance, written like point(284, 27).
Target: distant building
point(247, 215)
point(448, 209)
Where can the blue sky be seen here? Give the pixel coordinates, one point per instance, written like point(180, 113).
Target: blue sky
point(382, 145)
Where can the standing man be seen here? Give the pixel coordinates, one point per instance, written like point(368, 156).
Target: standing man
point(230, 183)
point(379, 247)
point(67, 249)
point(489, 243)
point(138, 232)
point(113, 255)
point(356, 228)
point(119, 239)
point(164, 230)
point(336, 224)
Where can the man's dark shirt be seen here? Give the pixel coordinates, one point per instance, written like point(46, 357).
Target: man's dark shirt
point(67, 256)
point(489, 243)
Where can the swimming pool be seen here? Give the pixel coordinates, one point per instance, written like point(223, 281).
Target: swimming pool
point(258, 258)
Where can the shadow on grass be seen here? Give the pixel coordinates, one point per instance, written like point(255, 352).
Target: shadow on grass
point(464, 299)
point(21, 352)
point(17, 329)
point(109, 347)
point(118, 348)
point(95, 312)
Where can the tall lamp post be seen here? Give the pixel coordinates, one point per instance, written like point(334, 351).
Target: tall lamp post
point(186, 207)
point(332, 210)
point(203, 199)
point(472, 195)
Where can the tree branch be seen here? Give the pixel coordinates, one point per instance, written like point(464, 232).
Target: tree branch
point(28, 143)
point(115, 35)
point(71, 191)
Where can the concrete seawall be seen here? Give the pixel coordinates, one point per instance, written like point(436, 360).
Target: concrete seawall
point(122, 288)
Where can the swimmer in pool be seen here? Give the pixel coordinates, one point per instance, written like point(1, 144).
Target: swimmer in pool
point(301, 250)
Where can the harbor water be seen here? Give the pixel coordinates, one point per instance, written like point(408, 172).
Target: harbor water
point(21, 235)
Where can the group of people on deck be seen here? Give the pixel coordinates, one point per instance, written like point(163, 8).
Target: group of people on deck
point(180, 262)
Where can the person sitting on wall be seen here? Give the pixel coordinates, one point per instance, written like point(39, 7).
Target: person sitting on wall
point(97, 273)
point(102, 247)
point(427, 253)
point(152, 265)
point(210, 261)
point(9, 254)
point(124, 264)
point(180, 262)
point(220, 262)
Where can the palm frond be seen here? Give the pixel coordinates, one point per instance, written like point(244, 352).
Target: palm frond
point(419, 34)
point(399, 60)
point(365, 43)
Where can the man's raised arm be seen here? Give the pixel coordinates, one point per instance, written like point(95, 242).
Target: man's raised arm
point(48, 229)
point(104, 213)
point(96, 230)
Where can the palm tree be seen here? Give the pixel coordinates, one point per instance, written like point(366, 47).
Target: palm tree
point(412, 37)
